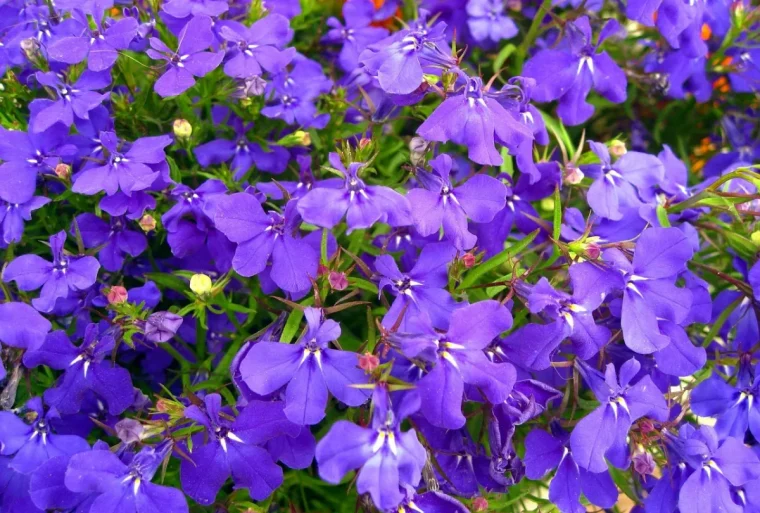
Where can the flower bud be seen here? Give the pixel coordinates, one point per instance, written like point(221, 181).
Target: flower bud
point(755, 237)
point(573, 174)
point(643, 463)
point(116, 295)
point(418, 148)
point(63, 171)
point(147, 223)
point(368, 362)
point(200, 284)
point(252, 86)
point(297, 138)
point(480, 504)
point(31, 48)
point(468, 260)
point(617, 148)
point(182, 128)
point(162, 326)
point(337, 280)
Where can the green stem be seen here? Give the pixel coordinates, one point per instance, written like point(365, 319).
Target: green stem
point(530, 37)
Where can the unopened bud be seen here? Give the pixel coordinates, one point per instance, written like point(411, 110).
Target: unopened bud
point(63, 171)
point(116, 295)
point(514, 5)
point(468, 260)
point(479, 504)
point(182, 128)
point(593, 251)
point(617, 148)
point(418, 148)
point(364, 142)
point(368, 362)
point(201, 284)
point(338, 280)
point(252, 86)
point(129, 430)
point(573, 174)
point(297, 138)
point(147, 223)
point(755, 237)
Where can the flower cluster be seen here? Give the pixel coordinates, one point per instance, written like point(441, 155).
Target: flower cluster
point(379, 255)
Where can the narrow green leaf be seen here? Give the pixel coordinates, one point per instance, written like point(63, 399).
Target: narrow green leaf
point(492, 263)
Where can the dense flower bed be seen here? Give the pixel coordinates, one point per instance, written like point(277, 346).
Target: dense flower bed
point(429, 256)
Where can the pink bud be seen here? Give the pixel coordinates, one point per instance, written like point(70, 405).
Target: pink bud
point(63, 171)
point(368, 362)
point(593, 251)
point(480, 504)
point(338, 280)
point(468, 260)
point(573, 174)
point(116, 295)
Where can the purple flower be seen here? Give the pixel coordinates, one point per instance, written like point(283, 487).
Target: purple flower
point(21, 326)
point(127, 167)
point(99, 45)
point(458, 357)
point(294, 94)
point(440, 204)
point(190, 60)
point(487, 21)
point(309, 368)
point(74, 100)
point(362, 205)
point(258, 46)
point(305, 183)
point(32, 444)
point(27, 154)
point(88, 368)
point(672, 18)
point(736, 407)
point(400, 61)
point(632, 176)
point(475, 119)
point(243, 153)
point(186, 8)
point(124, 487)
point(357, 33)
point(232, 447)
point(261, 236)
point(162, 326)
point(58, 278)
point(544, 451)
point(602, 433)
point(47, 488)
point(568, 73)
point(422, 291)
point(387, 458)
point(13, 215)
point(114, 239)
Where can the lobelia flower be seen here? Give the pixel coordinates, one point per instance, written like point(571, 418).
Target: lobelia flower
point(261, 236)
point(533, 345)
point(440, 204)
point(13, 215)
point(127, 167)
point(124, 487)
point(357, 33)
point(545, 451)
point(632, 176)
point(603, 432)
point(429, 502)
point(293, 94)
point(487, 22)
point(650, 294)
point(736, 407)
point(705, 474)
point(232, 447)
point(387, 457)
point(87, 368)
point(400, 61)
point(32, 444)
point(74, 100)
point(672, 18)
point(58, 278)
point(190, 60)
point(476, 120)
point(186, 8)
point(568, 73)
point(309, 368)
point(47, 488)
point(258, 46)
point(362, 205)
point(306, 182)
point(114, 239)
point(21, 326)
point(518, 210)
point(99, 45)
point(422, 291)
point(243, 153)
point(458, 357)
point(27, 154)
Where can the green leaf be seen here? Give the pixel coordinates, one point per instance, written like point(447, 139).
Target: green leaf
point(169, 281)
point(291, 325)
point(662, 216)
point(557, 218)
point(745, 247)
point(493, 263)
point(502, 57)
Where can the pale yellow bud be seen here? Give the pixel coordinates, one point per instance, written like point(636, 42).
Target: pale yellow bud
point(201, 284)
